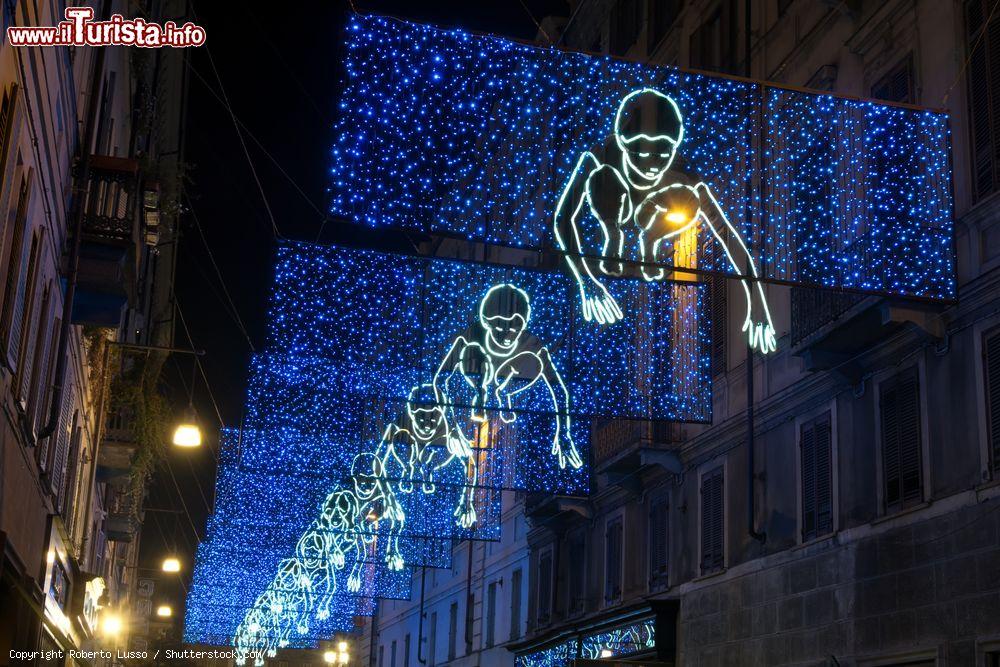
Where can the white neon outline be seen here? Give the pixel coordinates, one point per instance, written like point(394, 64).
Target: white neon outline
point(351, 520)
point(596, 302)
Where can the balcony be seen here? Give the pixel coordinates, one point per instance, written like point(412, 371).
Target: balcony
point(114, 456)
point(830, 330)
point(109, 246)
point(122, 520)
point(624, 446)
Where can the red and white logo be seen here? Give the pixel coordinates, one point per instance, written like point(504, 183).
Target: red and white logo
point(80, 29)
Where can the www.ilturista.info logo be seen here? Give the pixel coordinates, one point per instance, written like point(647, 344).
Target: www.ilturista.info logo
point(80, 29)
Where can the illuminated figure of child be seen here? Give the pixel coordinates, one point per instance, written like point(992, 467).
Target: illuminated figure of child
point(640, 185)
point(497, 365)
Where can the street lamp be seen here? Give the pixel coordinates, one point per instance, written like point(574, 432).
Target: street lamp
point(187, 433)
point(342, 655)
point(171, 564)
point(111, 624)
point(164, 611)
point(330, 657)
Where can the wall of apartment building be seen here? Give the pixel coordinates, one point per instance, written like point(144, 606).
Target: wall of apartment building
point(881, 579)
point(52, 506)
point(498, 592)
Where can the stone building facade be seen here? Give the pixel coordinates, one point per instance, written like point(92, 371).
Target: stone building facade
point(869, 530)
point(70, 486)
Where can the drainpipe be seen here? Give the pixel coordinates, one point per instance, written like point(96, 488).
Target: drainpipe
point(73, 265)
point(751, 497)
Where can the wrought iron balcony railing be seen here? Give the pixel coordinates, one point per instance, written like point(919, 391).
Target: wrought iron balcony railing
point(614, 437)
point(109, 207)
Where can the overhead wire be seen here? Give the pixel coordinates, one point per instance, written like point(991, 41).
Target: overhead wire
point(218, 274)
point(243, 144)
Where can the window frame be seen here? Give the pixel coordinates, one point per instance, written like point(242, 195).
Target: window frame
point(803, 420)
point(884, 509)
point(707, 470)
point(658, 581)
point(614, 518)
point(546, 552)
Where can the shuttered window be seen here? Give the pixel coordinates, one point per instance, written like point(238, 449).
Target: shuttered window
point(899, 404)
point(452, 630)
point(658, 543)
point(984, 94)
point(991, 364)
point(24, 321)
point(712, 518)
point(544, 587)
point(816, 474)
point(897, 84)
point(515, 604)
point(613, 561)
point(491, 614)
point(13, 287)
point(406, 650)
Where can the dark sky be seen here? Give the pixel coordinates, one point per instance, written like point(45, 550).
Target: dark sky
point(280, 69)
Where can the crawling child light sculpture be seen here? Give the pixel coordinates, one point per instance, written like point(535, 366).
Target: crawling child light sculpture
point(648, 190)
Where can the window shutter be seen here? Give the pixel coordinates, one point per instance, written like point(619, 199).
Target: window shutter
point(576, 599)
point(816, 475)
point(658, 525)
point(544, 587)
point(896, 85)
point(712, 539)
point(983, 77)
point(808, 453)
point(31, 319)
point(515, 604)
point(901, 458)
point(613, 562)
point(824, 476)
point(992, 366)
point(19, 289)
point(491, 613)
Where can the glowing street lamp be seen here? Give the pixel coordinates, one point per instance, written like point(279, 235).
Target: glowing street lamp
point(330, 657)
point(164, 611)
point(112, 624)
point(187, 433)
point(171, 564)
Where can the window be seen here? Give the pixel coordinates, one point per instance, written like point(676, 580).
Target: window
point(662, 14)
point(658, 542)
point(432, 641)
point(993, 659)
point(381, 655)
point(613, 561)
point(897, 84)
point(816, 475)
point(576, 597)
point(984, 86)
point(624, 26)
point(406, 650)
point(991, 366)
point(392, 654)
point(6, 122)
point(712, 519)
point(13, 287)
point(899, 405)
point(515, 605)
point(25, 322)
point(452, 630)
point(544, 587)
point(491, 614)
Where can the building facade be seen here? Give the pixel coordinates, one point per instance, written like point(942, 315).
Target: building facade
point(864, 529)
point(87, 259)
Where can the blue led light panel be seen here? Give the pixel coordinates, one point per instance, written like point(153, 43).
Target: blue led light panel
point(396, 322)
point(450, 133)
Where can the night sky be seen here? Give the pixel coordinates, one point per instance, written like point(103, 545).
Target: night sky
point(280, 68)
